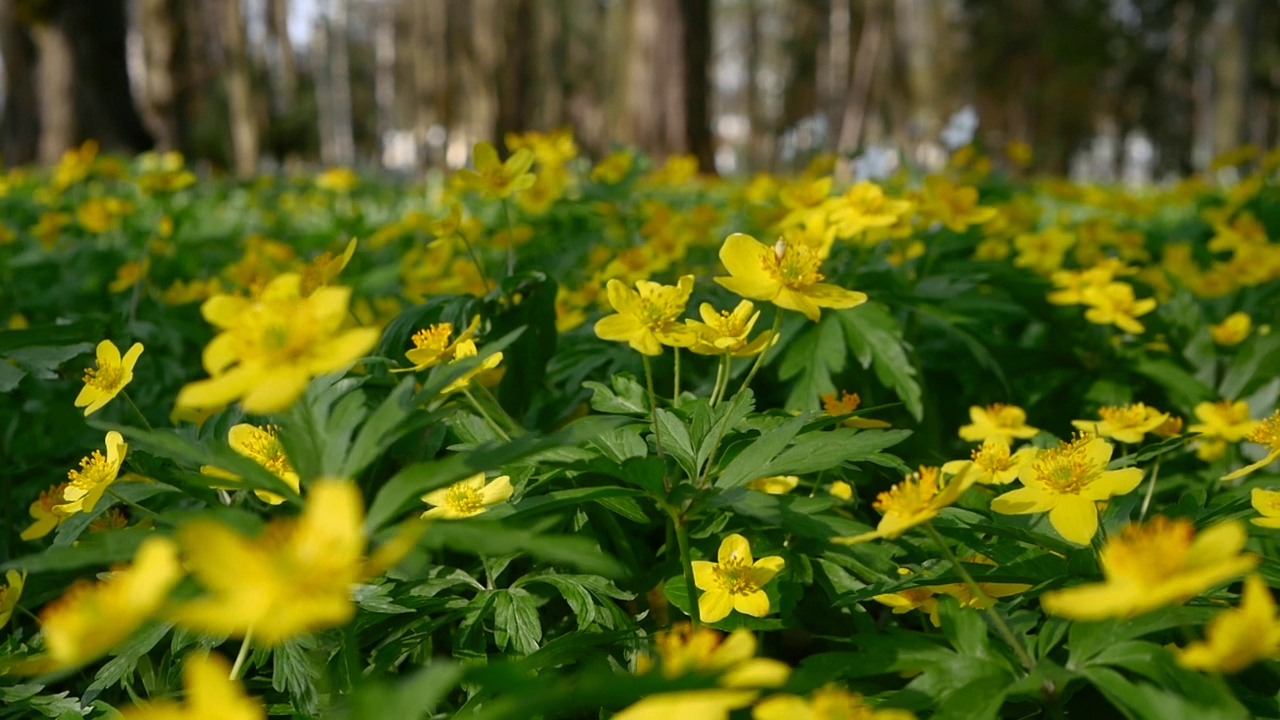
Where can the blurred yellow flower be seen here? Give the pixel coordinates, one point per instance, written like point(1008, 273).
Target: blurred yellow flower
point(648, 317)
point(916, 500)
point(865, 206)
point(210, 693)
point(324, 269)
point(1266, 434)
point(466, 498)
point(1267, 503)
point(74, 165)
point(494, 177)
point(775, 484)
point(261, 445)
point(992, 463)
point(1042, 252)
point(337, 179)
point(94, 476)
point(845, 404)
point(725, 332)
point(1115, 304)
point(841, 490)
point(10, 593)
point(467, 349)
point(956, 207)
point(1068, 482)
point(825, 703)
point(1220, 423)
point(1232, 330)
point(1124, 423)
point(683, 650)
point(431, 345)
point(1162, 562)
point(735, 582)
point(45, 512)
point(295, 577)
point(271, 346)
point(128, 275)
point(787, 275)
point(1236, 638)
point(91, 618)
point(1000, 421)
point(613, 167)
point(108, 376)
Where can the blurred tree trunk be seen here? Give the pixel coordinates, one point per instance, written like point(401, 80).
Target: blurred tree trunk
point(853, 119)
point(286, 75)
point(655, 110)
point(514, 69)
point(339, 70)
point(20, 123)
point(918, 35)
point(698, 37)
point(589, 79)
point(479, 29)
point(384, 79)
point(240, 115)
point(801, 96)
point(550, 64)
point(1230, 76)
point(429, 54)
point(760, 145)
point(56, 77)
point(616, 61)
point(158, 21)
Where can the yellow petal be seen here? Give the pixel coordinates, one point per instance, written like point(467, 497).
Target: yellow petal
point(755, 604)
point(1075, 518)
point(715, 605)
point(735, 548)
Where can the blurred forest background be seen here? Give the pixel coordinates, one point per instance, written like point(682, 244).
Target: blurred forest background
point(246, 85)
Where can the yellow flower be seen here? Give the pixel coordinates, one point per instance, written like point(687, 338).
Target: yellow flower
point(431, 345)
point(1220, 423)
point(1042, 252)
point(10, 593)
point(865, 206)
point(826, 703)
point(916, 500)
point(109, 375)
point(787, 275)
point(847, 403)
point(325, 268)
point(45, 512)
point(494, 177)
point(128, 275)
point(955, 207)
point(1267, 434)
point(1233, 330)
point(647, 316)
point(1149, 566)
point(261, 445)
point(613, 168)
point(94, 476)
point(1001, 421)
point(337, 179)
point(725, 332)
point(681, 651)
point(1238, 637)
point(992, 463)
point(272, 345)
point(1068, 482)
point(466, 349)
point(466, 498)
point(775, 484)
point(1266, 502)
point(92, 618)
point(735, 582)
point(49, 227)
point(1115, 304)
point(295, 577)
point(841, 490)
point(209, 694)
point(1124, 423)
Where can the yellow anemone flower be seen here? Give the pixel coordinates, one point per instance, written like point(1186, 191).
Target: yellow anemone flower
point(865, 206)
point(10, 593)
point(917, 499)
point(92, 618)
point(735, 582)
point(1124, 423)
point(841, 490)
point(466, 349)
point(209, 694)
point(109, 375)
point(845, 404)
point(1159, 563)
point(1115, 304)
point(725, 332)
point(1224, 419)
point(1233, 330)
point(466, 498)
point(646, 318)
point(272, 345)
point(45, 512)
point(775, 484)
point(337, 179)
point(325, 268)
point(788, 275)
point(294, 578)
point(93, 477)
point(992, 463)
point(1068, 482)
point(827, 702)
point(497, 178)
point(924, 598)
point(431, 345)
point(1000, 421)
point(683, 650)
point(954, 206)
point(1267, 503)
point(1267, 434)
point(261, 445)
point(1238, 637)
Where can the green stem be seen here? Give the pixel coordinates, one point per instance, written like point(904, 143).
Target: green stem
point(755, 367)
point(242, 655)
point(485, 414)
point(502, 412)
point(475, 259)
point(145, 511)
point(982, 597)
point(675, 397)
point(653, 403)
point(141, 417)
point(511, 239)
point(1151, 491)
point(718, 388)
point(686, 562)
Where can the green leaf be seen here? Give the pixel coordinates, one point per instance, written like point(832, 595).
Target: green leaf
point(413, 697)
point(676, 440)
point(627, 397)
point(516, 623)
point(749, 463)
point(527, 360)
point(1257, 362)
point(493, 538)
point(384, 426)
point(572, 497)
point(1184, 390)
point(810, 361)
point(41, 362)
point(296, 665)
point(876, 339)
point(10, 376)
point(126, 659)
point(99, 549)
point(964, 628)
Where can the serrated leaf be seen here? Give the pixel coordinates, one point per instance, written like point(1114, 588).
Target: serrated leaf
point(876, 339)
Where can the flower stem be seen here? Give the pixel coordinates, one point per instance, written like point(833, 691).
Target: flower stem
point(983, 598)
point(485, 414)
point(475, 259)
point(755, 367)
point(511, 239)
point(686, 562)
point(718, 388)
point(141, 417)
point(653, 403)
point(1151, 491)
point(242, 655)
point(145, 511)
point(675, 396)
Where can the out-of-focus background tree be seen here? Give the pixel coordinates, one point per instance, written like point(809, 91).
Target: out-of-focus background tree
point(1094, 87)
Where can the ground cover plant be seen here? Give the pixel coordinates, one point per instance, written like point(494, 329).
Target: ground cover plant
point(551, 437)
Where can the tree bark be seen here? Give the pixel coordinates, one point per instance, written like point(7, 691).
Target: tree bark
point(515, 72)
point(240, 115)
point(20, 124)
point(159, 28)
point(801, 96)
point(697, 46)
point(864, 63)
point(56, 74)
point(286, 74)
point(339, 67)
